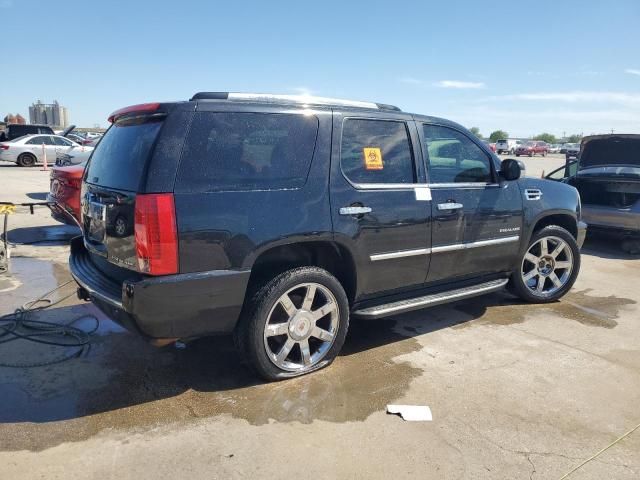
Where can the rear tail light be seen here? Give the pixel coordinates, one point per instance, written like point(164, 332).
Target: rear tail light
point(156, 234)
point(4, 147)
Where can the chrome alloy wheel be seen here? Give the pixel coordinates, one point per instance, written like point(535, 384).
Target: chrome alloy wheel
point(547, 266)
point(301, 327)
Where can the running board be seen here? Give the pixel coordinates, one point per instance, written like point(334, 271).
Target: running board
point(432, 300)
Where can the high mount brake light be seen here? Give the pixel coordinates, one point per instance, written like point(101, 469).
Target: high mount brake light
point(156, 234)
point(141, 108)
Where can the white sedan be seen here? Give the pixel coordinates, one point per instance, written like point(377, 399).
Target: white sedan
point(29, 150)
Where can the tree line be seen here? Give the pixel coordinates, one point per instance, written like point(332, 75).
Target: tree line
point(545, 137)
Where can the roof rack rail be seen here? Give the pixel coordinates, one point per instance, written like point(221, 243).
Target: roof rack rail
point(303, 99)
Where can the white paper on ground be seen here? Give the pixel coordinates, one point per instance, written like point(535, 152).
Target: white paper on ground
point(411, 413)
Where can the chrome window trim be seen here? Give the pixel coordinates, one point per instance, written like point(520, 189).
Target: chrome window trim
point(463, 185)
point(444, 248)
point(411, 186)
point(388, 186)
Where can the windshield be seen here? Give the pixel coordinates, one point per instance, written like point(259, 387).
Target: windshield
point(119, 159)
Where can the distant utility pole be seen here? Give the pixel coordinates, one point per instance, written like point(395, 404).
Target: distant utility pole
point(612, 130)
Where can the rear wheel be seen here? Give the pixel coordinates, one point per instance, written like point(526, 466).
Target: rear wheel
point(26, 160)
point(531, 154)
point(295, 324)
point(549, 267)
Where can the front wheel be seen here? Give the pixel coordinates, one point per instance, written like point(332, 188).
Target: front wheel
point(26, 160)
point(549, 267)
point(295, 324)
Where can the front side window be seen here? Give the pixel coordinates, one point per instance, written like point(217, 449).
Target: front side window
point(454, 158)
point(246, 151)
point(376, 151)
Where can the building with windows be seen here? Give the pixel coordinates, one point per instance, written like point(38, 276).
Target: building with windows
point(52, 114)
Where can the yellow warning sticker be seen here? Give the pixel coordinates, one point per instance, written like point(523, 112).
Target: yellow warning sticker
point(7, 209)
point(372, 158)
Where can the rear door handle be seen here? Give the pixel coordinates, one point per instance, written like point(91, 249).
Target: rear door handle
point(450, 206)
point(354, 210)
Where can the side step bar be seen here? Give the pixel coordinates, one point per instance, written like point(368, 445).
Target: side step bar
point(402, 306)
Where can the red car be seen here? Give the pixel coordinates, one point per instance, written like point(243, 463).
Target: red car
point(64, 190)
point(533, 148)
point(492, 146)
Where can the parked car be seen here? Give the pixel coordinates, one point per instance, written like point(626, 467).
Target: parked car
point(532, 148)
point(64, 190)
point(554, 148)
point(30, 150)
point(13, 131)
point(278, 218)
point(491, 146)
point(563, 147)
point(607, 175)
point(74, 156)
point(572, 150)
point(507, 146)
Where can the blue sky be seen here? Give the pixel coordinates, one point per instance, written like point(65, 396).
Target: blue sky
point(568, 66)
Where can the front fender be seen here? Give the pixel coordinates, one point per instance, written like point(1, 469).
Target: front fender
point(556, 199)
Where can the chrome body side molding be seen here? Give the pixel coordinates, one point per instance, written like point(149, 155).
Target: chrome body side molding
point(443, 248)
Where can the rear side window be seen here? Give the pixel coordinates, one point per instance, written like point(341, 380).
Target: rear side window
point(119, 159)
point(247, 151)
point(376, 151)
point(40, 141)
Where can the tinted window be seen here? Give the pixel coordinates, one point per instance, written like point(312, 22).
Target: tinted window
point(40, 141)
point(244, 151)
point(376, 151)
point(119, 160)
point(62, 142)
point(44, 130)
point(454, 158)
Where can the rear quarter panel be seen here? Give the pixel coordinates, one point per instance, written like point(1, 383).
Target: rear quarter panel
point(230, 229)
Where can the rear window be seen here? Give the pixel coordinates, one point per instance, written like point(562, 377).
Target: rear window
point(245, 151)
point(119, 159)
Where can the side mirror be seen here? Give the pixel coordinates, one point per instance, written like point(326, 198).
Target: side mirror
point(510, 169)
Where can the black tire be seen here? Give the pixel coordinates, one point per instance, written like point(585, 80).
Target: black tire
point(249, 334)
point(517, 284)
point(517, 154)
point(26, 160)
point(532, 154)
point(544, 153)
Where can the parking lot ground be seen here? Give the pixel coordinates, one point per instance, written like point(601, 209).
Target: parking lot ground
point(516, 390)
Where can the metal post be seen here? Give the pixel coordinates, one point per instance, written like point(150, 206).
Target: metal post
point(44, 155)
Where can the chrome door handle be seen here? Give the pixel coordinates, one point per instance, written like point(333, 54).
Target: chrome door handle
point(449, 206)
point(354, 210)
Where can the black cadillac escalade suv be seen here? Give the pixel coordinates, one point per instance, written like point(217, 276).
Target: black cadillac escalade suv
point(276, 218)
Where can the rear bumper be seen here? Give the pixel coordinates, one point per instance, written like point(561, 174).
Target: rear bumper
point(621, 219)
point(173, 306)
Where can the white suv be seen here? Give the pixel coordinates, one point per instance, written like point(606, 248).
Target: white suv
point(506, 146)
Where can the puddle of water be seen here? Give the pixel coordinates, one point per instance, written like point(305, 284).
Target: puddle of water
point(125, 384)
point(29, 278)
point(580, 306)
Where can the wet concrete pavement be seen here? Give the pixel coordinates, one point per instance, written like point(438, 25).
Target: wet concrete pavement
point(517, 391)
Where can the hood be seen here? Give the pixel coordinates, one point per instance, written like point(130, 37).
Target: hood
point(67, 130)
point(606, 150)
